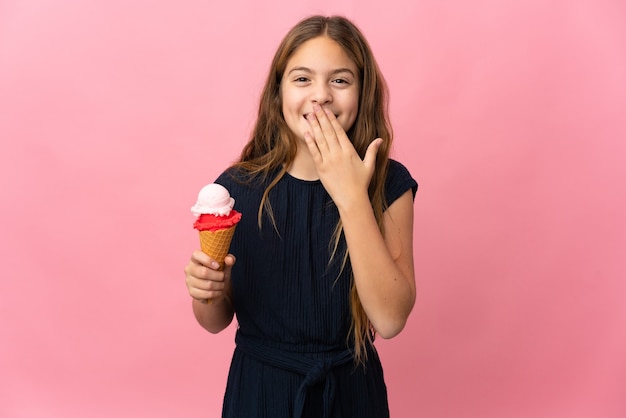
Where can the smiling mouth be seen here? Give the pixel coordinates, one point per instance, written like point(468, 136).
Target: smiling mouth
point(305, 116)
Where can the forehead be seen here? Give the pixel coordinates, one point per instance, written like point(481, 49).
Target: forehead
point(321, 54)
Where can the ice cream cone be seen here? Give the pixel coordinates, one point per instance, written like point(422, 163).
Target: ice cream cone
point(216, 243)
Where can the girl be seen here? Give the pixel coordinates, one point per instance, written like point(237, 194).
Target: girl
point(324, 248)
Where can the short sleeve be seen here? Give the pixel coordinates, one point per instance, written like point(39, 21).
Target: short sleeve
point(399, 180)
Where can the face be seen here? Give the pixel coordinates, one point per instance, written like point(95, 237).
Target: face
point(319, 72)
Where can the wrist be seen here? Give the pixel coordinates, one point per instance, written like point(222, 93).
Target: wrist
point(356, 207)
point(355, 202)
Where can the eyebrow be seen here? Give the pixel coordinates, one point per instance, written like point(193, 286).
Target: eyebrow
point(333, 72)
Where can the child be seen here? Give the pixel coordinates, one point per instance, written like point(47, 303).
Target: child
point(324, 248)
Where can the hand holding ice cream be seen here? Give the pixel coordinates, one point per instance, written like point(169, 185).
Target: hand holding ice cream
point(216, 221)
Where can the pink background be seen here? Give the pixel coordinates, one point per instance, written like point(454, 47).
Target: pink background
point(511, 115)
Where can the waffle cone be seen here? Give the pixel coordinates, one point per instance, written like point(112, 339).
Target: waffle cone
point(216, 243)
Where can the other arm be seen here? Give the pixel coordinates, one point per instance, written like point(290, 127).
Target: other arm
point(205, 282)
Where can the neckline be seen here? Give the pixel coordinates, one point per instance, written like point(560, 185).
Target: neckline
point(302, 181)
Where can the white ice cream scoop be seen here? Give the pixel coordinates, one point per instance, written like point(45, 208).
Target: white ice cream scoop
point(213, 199)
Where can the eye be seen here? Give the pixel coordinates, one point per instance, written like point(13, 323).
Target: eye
point(341, 81)
point(301, 80)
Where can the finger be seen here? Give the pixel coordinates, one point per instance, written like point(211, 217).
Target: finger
point(317, 133)
point(339, 133)
point(195, 269)
point(326, 126)
point(205, 297)
point(230, 260)
point(203, 259)
point(313, 147)
point(204, 286)
point(204, 289)
point(370, 155)
point(194, 287)
point(200, 272)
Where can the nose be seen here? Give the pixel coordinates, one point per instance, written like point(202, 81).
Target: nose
point(321, 94)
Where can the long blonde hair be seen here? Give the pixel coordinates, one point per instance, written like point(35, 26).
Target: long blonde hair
point(273, 146)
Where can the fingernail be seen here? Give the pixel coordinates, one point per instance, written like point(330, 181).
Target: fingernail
point(215, 264)
point(317, 107)
point(310, 116)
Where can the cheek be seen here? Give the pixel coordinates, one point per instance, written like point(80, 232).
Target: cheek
point(288, 102)
point(285, 99)
point(351, 116)
point(348, 124)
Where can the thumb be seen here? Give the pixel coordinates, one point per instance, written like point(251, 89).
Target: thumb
point(370, 154)
point(229, 261)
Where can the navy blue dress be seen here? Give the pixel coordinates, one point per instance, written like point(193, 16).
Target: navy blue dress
point(293, 357)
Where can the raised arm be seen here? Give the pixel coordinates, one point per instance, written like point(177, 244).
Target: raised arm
point(382, 265)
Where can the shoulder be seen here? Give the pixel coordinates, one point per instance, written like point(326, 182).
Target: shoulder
point(398, 181)
point(241, 184)
point(237, 177)
point(230, 175)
